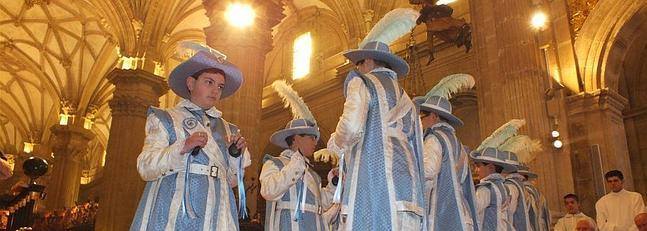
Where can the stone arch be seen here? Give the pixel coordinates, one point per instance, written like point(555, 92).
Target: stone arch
point(605, 37)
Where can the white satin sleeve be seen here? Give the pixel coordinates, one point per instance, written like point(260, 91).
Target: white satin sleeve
point(482, 201)
point(328, 192)
point(432, 157)
point(158, 158)
point(275, 182)
point(514, 198)
point(350, 127)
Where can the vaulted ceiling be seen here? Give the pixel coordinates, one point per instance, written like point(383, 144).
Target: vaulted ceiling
point(55, 54)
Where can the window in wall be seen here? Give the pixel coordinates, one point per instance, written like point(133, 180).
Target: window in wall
point(301, 56)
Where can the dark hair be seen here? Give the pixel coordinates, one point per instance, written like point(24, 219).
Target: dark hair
point(573, 196)
point(289, 140)
point(424, 113)
point(208, 70)
point(498, 169)
point(382, 63)
point(379, 63)
point(613, 173)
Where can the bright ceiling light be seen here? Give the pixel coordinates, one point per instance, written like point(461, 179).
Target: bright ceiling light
point(240, 15)
point(554, 133)
point(444, 2)
point(539, 20)
point(558, 144)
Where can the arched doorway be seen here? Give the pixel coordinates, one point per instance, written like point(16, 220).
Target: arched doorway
point(612, 54)
point(626, 67)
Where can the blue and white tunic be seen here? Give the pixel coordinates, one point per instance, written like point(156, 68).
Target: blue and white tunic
point(380, 135)
point(171, 194)
point(451, 194)
point(538, 213)
point(518, 210)
point(492, 201)
point(281, 183)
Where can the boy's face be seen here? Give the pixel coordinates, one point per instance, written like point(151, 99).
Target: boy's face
point(572, 206)
point(206, 89)
point(306, 144)
point(614, 183)
point(483, 169)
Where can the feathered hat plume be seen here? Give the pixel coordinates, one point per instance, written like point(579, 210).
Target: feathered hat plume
point(450, 85)
point(186, 49)
point(292, 99)
point(501, 134)
point(392, 26)
point(523, 146)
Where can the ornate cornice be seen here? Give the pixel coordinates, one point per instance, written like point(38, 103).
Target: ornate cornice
point(135, 91)
point(70, 140)
point(578, 11)
point(600, 100)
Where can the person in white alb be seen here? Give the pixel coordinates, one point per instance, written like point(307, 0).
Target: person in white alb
point(641, 221)
point(585, 225)
point(573, 214)
point(616, 210)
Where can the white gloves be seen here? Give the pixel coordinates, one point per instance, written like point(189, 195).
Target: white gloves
point(326, 155)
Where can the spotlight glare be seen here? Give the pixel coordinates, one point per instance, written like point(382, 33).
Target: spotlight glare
point(240, 15)
point(538, 20)
point(444, 2)
point(558, 144)
point(554, 133)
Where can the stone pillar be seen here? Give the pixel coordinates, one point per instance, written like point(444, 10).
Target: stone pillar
point(246, 48)
point(69, 144)
point(135, 91)
point(599, 143)
point(512, 83)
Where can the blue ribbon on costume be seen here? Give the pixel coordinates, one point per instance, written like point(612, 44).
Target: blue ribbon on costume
point(337, 197)
point(186, 205)
point(298, 213)
point(242, 198)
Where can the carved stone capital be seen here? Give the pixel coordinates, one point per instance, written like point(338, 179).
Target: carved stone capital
point(71, 141)
point(135, 91)
point(600, 100)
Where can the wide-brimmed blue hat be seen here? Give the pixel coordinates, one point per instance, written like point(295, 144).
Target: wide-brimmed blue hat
point(294, 127)
point(494, 156)
point(200, 61)
point(513, 159)
point(525, 171)
point(379, 51)
point(439, 105)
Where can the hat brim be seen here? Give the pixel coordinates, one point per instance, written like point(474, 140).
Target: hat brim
point(486, 159)
point(396, 63)
point(449, 117)
point(278, 138)
point(177, 79)
point(530, 175)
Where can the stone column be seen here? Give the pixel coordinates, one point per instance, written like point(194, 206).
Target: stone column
point(135, 91)
point(599, 143)
point(69, 144)
point(512, 83)
point(246, 48)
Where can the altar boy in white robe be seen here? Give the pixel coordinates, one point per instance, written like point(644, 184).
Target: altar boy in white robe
point(616, 210)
